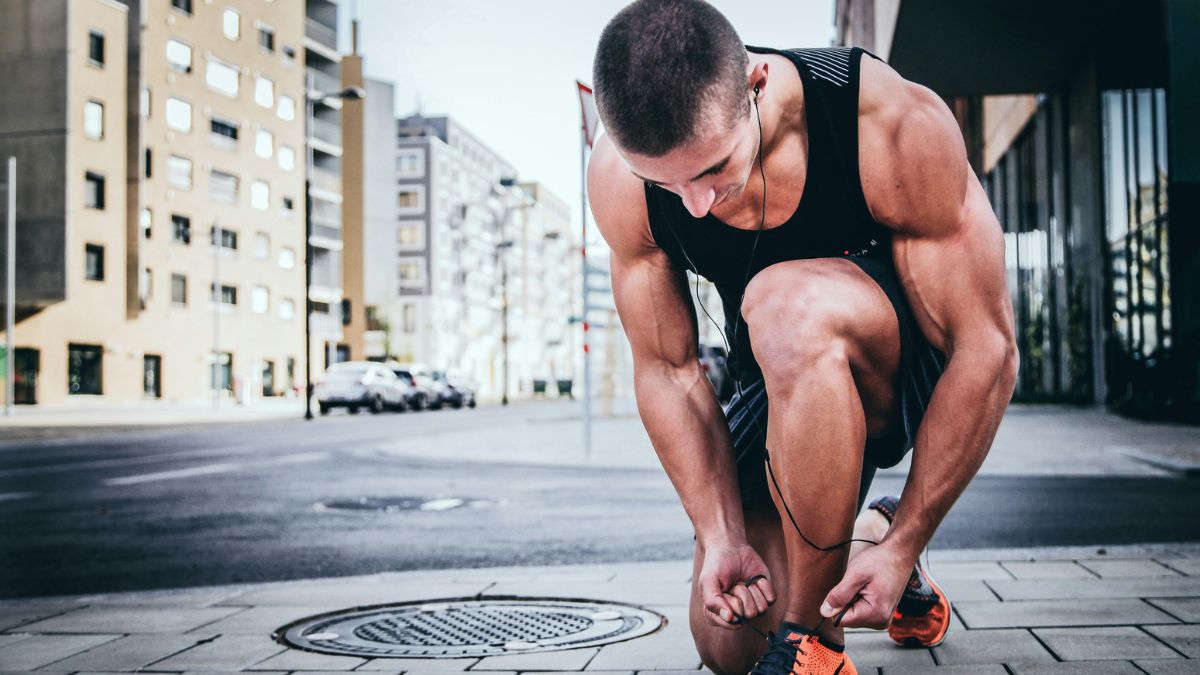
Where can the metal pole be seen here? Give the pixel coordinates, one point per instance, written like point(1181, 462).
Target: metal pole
point(587, 368)
point(308, 250)
point(503, 307)
point(10, 290)
point(218, 298)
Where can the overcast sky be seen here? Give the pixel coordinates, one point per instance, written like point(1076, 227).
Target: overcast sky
point(506, 69)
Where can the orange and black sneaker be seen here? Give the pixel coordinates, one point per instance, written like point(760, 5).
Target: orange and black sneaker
point(802, 652)
point(922, 618)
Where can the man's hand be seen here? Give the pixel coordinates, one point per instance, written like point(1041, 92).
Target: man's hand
point(734, 580)
point(871, 587)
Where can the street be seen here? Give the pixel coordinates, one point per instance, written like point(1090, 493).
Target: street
point(92, 511)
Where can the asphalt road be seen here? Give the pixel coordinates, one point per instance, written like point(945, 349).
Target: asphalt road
point(94, 511)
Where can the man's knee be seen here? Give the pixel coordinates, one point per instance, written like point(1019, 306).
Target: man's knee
point(796, 322)
point(724, 654)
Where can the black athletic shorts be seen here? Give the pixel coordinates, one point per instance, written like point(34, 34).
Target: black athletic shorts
point(920, 367)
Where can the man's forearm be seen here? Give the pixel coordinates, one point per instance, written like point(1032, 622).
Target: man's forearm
point(689, 434)
point(952, 442)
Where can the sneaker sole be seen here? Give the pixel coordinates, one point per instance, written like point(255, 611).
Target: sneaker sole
point(910, 641)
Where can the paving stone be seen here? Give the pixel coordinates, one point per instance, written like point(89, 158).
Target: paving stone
point(188, 597)
point(261, 619)
point(1186, 609)
point(979, 647)
point(982, 669)
point(612, 672)
point(568, 659)
point(1184, 638)
point(1109, 642)
point(969, 570)
point(966, 590)
point(1048, 569)
point(640, 593)
point(878, 649)
point(1076, 668)
point(42, 650)
point(1113, 569)
point(444, 665)
point(227, 672)
point(10, 638)
point(130, 653)
point(671, 648)
point(442, 672)
point(294, 659)
point(1050, 589)
point(131, 620)
point(1189, 566)
point(356, 594)
point(1169, 666)
point(15, 615)
point(228, 652)
point(1035, 613)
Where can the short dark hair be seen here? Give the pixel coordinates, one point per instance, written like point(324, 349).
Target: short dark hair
point(658, 64)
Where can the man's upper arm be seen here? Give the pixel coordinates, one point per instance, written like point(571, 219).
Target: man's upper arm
point(651, 295)
point(948, 245)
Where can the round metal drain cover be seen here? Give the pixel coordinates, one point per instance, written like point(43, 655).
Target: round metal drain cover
point(466, 628)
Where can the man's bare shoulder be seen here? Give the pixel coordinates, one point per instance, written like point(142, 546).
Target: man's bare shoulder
point(618, 202)
point(912, 161)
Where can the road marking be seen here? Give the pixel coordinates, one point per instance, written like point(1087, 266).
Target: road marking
point(173, 475)
point(123, 461)
point(442, 504)
point(209, 469)
point(10, 496)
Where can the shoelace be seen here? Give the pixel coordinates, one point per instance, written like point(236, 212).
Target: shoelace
point(779, 656)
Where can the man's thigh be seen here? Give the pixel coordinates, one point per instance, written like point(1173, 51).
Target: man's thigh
point(798, 307)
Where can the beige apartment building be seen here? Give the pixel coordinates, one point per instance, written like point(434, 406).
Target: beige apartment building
point(161, 161)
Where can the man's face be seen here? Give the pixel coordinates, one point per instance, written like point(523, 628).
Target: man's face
point(708, 171)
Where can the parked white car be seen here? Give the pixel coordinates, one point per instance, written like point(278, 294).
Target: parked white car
point(358, 384)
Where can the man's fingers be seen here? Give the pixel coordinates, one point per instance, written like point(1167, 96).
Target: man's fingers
point(756, 594)
point(763, 584)
point(842, 594)
point(746, 599)
point(862, 614)
point(719, 612)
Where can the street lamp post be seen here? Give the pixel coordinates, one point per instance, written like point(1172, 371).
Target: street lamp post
point(311, 98)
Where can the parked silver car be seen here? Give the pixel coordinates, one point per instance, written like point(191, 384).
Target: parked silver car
point(358, 384)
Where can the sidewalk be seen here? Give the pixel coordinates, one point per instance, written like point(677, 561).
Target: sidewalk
point(1130, 610)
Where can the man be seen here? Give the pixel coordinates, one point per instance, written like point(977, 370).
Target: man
point(862, 274)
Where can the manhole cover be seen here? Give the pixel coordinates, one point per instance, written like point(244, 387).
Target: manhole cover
point(395, 504)
point(465, 628)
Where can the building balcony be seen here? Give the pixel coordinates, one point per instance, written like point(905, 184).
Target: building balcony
point(321, 33)
point(322, 82)
point(327, 181)
point(329, 132)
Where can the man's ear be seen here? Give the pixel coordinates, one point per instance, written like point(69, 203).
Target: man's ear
point(756, 77)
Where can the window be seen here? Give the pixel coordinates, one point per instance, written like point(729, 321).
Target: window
point(411, 199)
point(264, 143)
point(179, 171)
point(223, 128)
point(409, 318)
point(410, 163)
point(222, 78)
point(145, 286)
point(287, 309)
point(224, 238)
point(179, 114)
point(260, 300)
point(179, 56)
point(288, 204)
point(223, 187)
point(410, 234)
point(94, 256)
point(184, 6)
point(287, 258)
point(84, 368)
point(93, 120)
point(178, 289)
point(144, 103)
point(147, 163)
point(262, 246)
point(289, 53)
point(260, 195)
point(287, 158)
point(93, 191)
point(231, 24)
point(266, 39)
point(228, 294)
point(264, 91)
point(152, 376)
point(181, 228)
point(286, 108)
point(96, 47)
point(412, 272)
point(145, 221)
point(221, 372)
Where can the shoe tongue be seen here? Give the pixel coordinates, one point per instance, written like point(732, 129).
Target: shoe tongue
point(793, 632)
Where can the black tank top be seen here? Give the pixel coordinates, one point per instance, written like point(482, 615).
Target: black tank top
point(832, 219)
